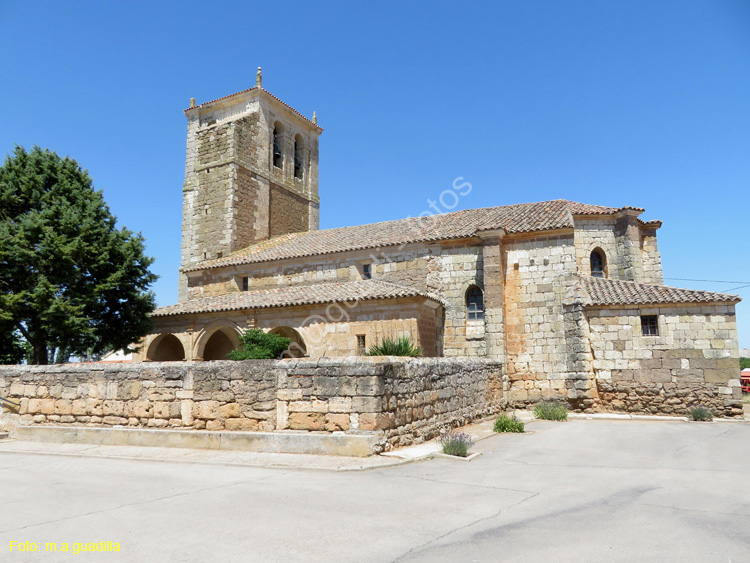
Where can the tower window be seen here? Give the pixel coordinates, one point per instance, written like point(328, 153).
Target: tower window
point(474, 304)
point(366, 271)
point(278, 158)
point(649, 325)
point(298, 157)
point(598, 263)
point(245, 283)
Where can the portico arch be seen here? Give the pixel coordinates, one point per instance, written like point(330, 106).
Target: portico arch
point(297, 347)
point(165, 348)
point(215, 342)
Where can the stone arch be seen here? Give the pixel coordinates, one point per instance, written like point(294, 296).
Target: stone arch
point(299, 147)
point(297, 347)
point(165, 348)
point(216, 341)
point(277, 145)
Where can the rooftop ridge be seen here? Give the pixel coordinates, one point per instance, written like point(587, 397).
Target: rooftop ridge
point(514, 218)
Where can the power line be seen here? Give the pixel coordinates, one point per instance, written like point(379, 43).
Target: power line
point(708, 281)
point(736, 288)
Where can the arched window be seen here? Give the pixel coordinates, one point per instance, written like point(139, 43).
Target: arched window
point(166, 348)
point(474, 303)
point(598, 263)
point(298, 157)
point(278, 157)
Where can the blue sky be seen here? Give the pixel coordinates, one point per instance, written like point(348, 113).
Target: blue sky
point(641, 103)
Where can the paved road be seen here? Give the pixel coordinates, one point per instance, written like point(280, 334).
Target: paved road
point(577, 491)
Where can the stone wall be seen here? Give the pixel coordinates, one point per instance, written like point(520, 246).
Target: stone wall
point(408, 400)
point(693, 360)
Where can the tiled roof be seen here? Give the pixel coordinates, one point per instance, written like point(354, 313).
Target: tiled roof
point(600, 291)
point(351, 291)
point(250, 90)
point(519, 218)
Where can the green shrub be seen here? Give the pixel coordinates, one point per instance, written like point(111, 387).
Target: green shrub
point(744, 363)
point(258, 345)
point(505, 423)
point(551, 410)
point(701, 414)
point(456, 443)
point(391, 347)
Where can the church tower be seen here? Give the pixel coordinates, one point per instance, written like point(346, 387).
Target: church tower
point(251, 173)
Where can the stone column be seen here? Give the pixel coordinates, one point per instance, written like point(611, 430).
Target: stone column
point(580, 377)
point(493, 294)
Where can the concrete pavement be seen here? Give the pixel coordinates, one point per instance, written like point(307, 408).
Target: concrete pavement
point(583, 490)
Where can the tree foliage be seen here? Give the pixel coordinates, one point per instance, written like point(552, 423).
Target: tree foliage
point(258, 345)
point(69, 278)
point(744, 363)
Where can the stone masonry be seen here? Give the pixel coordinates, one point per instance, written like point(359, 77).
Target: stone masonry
point(406, 400)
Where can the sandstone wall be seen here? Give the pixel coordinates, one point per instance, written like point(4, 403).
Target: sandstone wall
point(693, 360)
point(407, 399)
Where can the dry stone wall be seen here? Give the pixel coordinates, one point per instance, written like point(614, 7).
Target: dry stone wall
point(408, 400)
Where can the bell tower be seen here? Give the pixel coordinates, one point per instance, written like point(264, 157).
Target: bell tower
point(251, 173)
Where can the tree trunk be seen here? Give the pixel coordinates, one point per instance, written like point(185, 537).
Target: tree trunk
point(40, 354)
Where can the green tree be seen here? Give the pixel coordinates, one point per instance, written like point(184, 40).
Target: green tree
point(69, 278)
point(744, 363)
point(258, 345)
point(11, 347)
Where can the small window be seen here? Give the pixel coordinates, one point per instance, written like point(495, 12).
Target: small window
point(598, 263)
point(366, 272)
point(474, 304)
point(298, 157)
point(361, 344)
point(278, 158)
point(245, 283)
point(649, 325)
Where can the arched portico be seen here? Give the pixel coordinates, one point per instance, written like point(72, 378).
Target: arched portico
point(165, 348)
point(297, 347)
point(215, 342)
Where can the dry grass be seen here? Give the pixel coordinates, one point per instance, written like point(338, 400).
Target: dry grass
point(746, 398)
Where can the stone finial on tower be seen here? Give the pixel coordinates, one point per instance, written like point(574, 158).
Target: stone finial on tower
point(315, 118)
point(259, 78)
point(192, 102)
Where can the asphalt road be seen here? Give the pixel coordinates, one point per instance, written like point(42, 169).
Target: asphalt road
point(575, 491)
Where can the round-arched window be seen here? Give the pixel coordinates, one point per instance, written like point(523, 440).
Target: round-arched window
point(598, 263)
point(474, 304)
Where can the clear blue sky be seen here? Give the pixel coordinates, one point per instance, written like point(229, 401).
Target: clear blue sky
point(642, 103)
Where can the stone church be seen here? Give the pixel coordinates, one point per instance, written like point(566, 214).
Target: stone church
point(566, 295)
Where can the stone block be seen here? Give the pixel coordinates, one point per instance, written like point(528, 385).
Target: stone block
point(63, 407)
point(206, 410)
point(307, 421)
point(245, 424)
point(337, 421)
point(214, 425)
point(367, 404)
point(34, 406)
point(377, 421)
point(230, 410)
point(340, 404)
point(162, 410)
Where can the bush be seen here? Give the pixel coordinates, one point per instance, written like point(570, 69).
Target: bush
point(701, 414)
point(550, 410)
point(744, 363)
point(456, 443)
point(391, 347)
point(258, 345)
point(505, 423)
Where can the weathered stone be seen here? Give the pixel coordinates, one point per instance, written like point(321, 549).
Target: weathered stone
point(307, 421)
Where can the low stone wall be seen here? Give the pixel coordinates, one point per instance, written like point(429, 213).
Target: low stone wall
point(407, 399)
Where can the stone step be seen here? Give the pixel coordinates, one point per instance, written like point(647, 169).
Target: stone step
point(288, 442)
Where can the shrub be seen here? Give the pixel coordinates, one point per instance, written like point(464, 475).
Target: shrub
point(701, 414)
point(551, 410)
point(505, 423)
point(456, 443)
point(258, 345)
point(391, 347)
point(744, 363)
